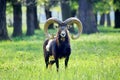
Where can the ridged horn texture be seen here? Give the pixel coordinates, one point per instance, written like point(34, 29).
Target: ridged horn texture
point(76, 21)
point(48, 22)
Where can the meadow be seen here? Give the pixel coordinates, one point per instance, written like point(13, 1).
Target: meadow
point(94, 57)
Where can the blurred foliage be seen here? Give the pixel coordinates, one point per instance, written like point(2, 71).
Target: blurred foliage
point(117, 4)
point(74, 4)
point(103, 6)
point(49, 3)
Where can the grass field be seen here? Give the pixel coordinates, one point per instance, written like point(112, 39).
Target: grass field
point(94, 57)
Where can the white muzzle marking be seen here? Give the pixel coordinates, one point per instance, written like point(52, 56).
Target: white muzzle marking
point(63, 33)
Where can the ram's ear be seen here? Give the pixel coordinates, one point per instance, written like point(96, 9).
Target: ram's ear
point(56, 26)
point(69, 26)
point(76, 21)
point(48, 23)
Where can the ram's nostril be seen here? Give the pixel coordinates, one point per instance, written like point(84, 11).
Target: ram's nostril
point(63, 34)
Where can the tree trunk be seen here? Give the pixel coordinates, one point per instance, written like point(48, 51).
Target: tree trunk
point(108, 19)
point(65, 7)
point(3, 29)
point(117, 19)
point(73, 13)
point(36, 18)
point(102, 19)
point(30, 20)
point(66, 12)
point(17, 23)
point(48, 14)
point(96, 18)
point(87, 17)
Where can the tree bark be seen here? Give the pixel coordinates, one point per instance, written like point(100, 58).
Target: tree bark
point(48, 14)
point(3, 29)
point(87, 17)
point(102, 19)
point(65, 7)
point(36, 18)
point(30, 20)
point(73, 13)
point(17, 23)
point(96, 18)
point(108, 19)
point(117, 19)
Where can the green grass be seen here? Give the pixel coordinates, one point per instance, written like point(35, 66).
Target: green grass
point(94, 57)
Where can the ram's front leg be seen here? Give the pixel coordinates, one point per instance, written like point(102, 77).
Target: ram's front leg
point(46, 60)
point(66, 61)
point(57, 63)
point(68, 52)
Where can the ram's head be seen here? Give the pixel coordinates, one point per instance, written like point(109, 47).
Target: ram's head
point(63, 27)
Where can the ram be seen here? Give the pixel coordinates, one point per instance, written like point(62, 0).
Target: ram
point(59, 46)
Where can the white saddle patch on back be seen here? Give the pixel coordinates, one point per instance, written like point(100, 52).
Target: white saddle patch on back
point(48, 45)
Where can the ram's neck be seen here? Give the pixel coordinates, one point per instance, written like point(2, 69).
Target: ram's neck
point(61, 42)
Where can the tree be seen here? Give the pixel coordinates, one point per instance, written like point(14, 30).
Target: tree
point(30, 18)
point(104, 8)
point(108, 19)
point(73, 7)
point(65, 7)
point(87, 16)
point(36, 23)
point(117, 13)
point(96, 19)
point(17, 20)
point(48, 4)
point(102, 19)
point(48, 13)
point(3, 29)
point(117, 19)
point(67, 13)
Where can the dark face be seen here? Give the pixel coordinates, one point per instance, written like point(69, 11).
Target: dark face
point(62, 32)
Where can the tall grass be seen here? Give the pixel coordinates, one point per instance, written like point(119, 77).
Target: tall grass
point(94, 57)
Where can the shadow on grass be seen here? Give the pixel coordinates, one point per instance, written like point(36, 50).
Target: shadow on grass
point(39, 35)
point(108, 29)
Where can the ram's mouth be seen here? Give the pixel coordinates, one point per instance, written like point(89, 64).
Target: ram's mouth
point(62, 39)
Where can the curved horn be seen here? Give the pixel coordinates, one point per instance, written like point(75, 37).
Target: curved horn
point(48, 22)
point(79, 25)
